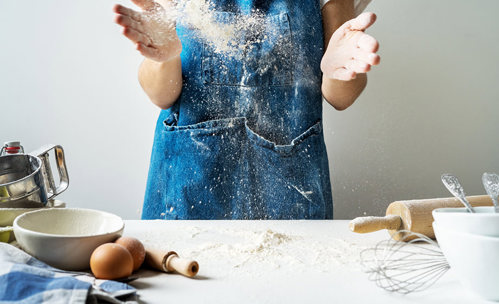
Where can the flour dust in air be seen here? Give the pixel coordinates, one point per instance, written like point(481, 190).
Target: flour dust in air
point(223, 32)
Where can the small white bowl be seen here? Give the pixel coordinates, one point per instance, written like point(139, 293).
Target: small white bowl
point(483, 222)
point(8, 215)
point(474, 259)
point(66, 238)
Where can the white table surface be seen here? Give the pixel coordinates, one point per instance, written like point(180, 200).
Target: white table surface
point(225, 278)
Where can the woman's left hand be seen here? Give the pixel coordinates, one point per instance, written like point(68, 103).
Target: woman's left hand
point(351, 51)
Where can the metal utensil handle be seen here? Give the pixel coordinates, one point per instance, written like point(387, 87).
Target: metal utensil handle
point(491, 184)
point(452, 184)
point(42, 153)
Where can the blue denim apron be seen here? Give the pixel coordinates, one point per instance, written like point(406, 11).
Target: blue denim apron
point(245, 138)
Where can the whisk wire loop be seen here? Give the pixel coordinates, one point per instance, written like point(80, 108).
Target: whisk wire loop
point(404, 267)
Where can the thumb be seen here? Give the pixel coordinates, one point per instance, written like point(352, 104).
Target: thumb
point(145, 4)
point(361, 23)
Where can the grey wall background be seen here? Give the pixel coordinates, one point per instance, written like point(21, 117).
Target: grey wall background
point(67, 76)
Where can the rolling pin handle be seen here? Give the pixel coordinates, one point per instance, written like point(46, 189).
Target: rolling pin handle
point(172, 262)
point(375, 223)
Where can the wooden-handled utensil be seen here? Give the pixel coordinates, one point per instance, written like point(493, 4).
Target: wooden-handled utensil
point(169, 261)
point(412, 215)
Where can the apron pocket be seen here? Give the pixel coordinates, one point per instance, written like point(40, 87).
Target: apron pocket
point(206, 169)
point(288, 177)
point(222, 169)
point(261, 55)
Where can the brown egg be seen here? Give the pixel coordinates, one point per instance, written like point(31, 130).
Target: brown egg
point(111, 261)
point(136, 249)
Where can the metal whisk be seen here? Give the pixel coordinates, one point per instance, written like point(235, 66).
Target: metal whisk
point(404, 266)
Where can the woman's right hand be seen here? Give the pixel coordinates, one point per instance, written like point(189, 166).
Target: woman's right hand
point(152, 29)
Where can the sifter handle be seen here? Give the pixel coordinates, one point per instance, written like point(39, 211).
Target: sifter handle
point(42, 153)
point(374, 223)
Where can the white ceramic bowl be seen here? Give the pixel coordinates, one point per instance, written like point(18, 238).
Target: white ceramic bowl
point(473, 258)
point(483, 222)
point(66, 238)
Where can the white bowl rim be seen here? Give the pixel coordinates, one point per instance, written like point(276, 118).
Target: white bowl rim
point(466, 234)
point(453, 211)
point(56, 204)
point(78, 236)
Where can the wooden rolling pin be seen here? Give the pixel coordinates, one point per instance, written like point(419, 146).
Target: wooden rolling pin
point(412, 215)
point(170, 262)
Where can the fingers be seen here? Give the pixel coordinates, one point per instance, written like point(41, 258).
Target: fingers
point(360, 64)
point(145, 4)
point(350, 69)
point(344, 74)
point(126, 21)
point(355, 49)
point(368, 43)
point(366, 50)
point(357, 66)
point(121, 10)
point(136, 36)
point(130, 20)
point(362, 61)
point(361, 23)
point(367, 57)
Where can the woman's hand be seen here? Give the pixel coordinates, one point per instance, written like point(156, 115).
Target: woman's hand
point(351, 51)
point(152, 29)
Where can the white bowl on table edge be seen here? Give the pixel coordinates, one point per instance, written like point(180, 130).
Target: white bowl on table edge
point(474, 259)
point(483, 222)
point(65, 238)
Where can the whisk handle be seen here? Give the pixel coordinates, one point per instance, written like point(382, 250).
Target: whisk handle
point(374, 223)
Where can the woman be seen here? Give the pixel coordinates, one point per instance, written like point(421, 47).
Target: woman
point(240, 135)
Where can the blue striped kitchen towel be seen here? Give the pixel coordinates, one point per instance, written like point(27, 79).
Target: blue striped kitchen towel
point(24, 279)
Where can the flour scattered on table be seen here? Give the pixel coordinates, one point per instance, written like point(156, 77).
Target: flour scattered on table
point(255, 253)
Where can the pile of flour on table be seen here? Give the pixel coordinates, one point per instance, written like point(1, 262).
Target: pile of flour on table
point(222, 251)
